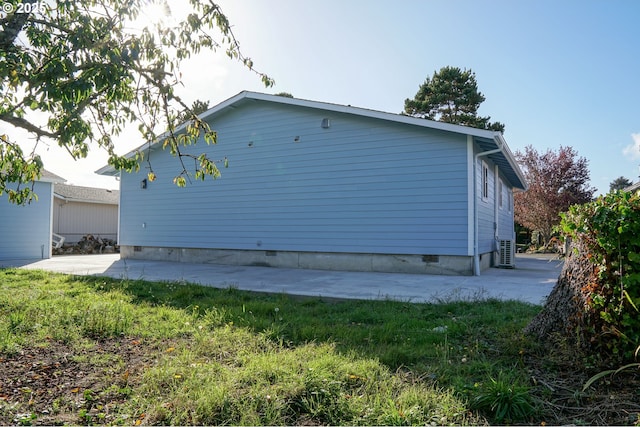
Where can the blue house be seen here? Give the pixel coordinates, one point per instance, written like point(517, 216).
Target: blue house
point(325, 186)
point(26, 230)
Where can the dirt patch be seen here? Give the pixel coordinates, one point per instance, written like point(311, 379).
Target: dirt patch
point(613, 400)
point(56, 384)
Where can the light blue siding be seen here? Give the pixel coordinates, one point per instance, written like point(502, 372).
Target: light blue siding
point(486, 209)
point(494, 223)
point(26, 230)
point(361, 186)
point(506, 227)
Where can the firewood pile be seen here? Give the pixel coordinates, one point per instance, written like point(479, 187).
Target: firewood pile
point(89, 244)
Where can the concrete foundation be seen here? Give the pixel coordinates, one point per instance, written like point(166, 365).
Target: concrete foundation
point(419, 264)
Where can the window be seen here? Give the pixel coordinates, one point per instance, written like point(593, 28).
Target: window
point(485, 181)
point(500, 193)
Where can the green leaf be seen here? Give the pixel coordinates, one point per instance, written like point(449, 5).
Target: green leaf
point(628, 297)
point(603, 374)
point(180, 181)
point(89, 75)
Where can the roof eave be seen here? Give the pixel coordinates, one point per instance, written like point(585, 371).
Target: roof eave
point(347, 109)
point(499, 138)
point(107, 170)
point(51, 180)
point(337, 108)
point(48, 176)
point(74, 199)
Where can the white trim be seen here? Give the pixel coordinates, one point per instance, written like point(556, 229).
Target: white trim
point(499, 138)
point(476, 252)
point(50, 237)
point(119, 205)
point(484, 181)
point(496, 207)
point(346, 109)
point(71, 199)
point(471, 194)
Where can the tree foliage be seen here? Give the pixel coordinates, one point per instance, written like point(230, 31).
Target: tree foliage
point(198, 107)
point(595, 303)
point(79, 72)
point(557, 180)
point(451, 95)
point(619, 183)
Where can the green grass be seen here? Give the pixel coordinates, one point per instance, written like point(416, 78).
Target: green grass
point(224, 356)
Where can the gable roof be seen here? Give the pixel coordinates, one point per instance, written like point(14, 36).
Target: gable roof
point(75, 193)
point(486, 139)
point(632, 187)
point(47, 176)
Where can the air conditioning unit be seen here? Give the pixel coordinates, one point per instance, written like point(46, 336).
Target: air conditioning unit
point(507, 254)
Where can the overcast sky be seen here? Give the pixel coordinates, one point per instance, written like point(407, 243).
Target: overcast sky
point(554, 72)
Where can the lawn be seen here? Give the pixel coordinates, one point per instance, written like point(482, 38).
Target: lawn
point(87, 350)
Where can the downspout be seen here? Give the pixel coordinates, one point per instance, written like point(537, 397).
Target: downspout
point(50, 243)
point(476, 254)
point(496, 206)
point(119, 179)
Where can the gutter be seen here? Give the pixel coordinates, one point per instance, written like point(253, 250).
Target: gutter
point(476, 255)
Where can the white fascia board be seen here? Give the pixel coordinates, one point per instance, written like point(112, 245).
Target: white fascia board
point(106, 170)
point(511, 159)
point(337, 108)
point(71, 199)
point(110, 170)
point(50, 180)
point(380, 115)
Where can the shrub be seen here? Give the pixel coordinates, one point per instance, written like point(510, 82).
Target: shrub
point(605, 238)
point(504, 400)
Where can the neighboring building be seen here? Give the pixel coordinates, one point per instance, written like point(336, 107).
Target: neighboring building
point(632, 187)
point(325, 186)
point(80, 211)
point(25, 230)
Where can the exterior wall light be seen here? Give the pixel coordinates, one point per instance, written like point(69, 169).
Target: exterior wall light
point(143, 184)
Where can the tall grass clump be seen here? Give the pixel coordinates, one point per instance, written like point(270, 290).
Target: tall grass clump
point(259, 382)
point(110, 316)
point(505, 400)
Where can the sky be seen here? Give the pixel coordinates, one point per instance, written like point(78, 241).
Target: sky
point(556, 73)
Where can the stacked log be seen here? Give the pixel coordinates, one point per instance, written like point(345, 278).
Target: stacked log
point(89, 244)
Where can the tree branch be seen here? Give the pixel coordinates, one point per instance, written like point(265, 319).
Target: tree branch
point(26, 125)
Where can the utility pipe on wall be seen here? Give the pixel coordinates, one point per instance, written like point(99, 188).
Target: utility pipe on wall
point(476, 255)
